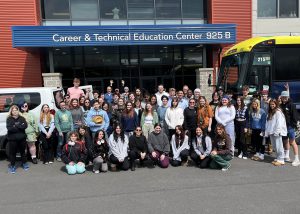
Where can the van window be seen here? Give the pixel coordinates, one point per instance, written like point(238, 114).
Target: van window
point(7, 100)
point(58, 97)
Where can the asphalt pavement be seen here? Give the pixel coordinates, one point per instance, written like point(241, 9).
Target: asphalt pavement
point(248, 187)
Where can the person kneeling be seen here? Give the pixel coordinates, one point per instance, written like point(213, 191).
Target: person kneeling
point(221, 153)
point(202, 148)
point(180, 147)
point(74, 155)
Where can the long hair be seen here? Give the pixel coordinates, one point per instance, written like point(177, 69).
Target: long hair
point(122, 135)
point(179, 138)
point(221, 104)
point(223, 134)
point(11, 108)
point(86, 108)
point(71, 103)
point(271, 112)
point(146, 111)
point(45, 115)
point(128, 113)
point(73, 133)
point(205, 107)
point(242, 102)
point(174, 99)
point(97, 134)
point(258, 106)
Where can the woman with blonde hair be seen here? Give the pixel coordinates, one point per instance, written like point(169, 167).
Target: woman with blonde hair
point(16, 125)
point(148, 120)
point(46, 125)
point(257, 121)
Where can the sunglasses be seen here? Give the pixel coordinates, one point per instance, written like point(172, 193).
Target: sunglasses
point(192, 102)
point(138, 130)
point(87, 102)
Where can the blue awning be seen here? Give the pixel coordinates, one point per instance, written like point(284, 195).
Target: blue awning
point(64, 36)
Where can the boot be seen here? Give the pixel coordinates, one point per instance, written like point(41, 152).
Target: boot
point(113, 167)
point(133, 166)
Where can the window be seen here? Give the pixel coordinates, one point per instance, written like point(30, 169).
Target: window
point(138, 9)
point(113, 9)
point(266, 8)
point(56, 9)
point(192, 9)
point(7, 100)
point(287, 63)
point(277, 8)
point(87, 9)
point(168, 9)
point(288, 9)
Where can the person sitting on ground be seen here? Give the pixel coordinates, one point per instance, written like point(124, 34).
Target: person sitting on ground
point(180, 147)
point(138, 147)
point(100, 153)
point(74, 155)
point(221, 151)
point(118, 149)
point(202, 146)
point(159, 146)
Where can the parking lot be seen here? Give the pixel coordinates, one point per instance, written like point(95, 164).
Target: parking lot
point(248, 187)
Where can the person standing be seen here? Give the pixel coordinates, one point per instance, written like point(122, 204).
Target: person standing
point(291, 116)
point(46, 126)
point(75, 92)
point(64, 123)
point(225, 114)
point(16, 125)
point(182, 101)
point(31, 131)
point(129, 119)
point(108, 96)
point(190, 119)
point(174, 116)
point(276, 129)
point(161, 91)
point(204, 115)
point(148, 120)
point(77, 114)
point(161, 112)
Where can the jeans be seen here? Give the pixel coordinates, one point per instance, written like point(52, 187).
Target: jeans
point(75, 169)
point(220, 161)
point(256, 141)
point(61, 142)
point(147, 129)
point(14, 147)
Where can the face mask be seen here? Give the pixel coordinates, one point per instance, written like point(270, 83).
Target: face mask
point(99, 142)
point(71, 143)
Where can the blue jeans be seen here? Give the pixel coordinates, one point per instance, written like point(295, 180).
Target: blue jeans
point(61, 142)
point(75, 169)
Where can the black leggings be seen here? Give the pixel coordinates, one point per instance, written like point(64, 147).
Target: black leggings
point(47, 145)
point(123, 165)
point(240, 139)
point(204, 163)
point(14, 147)
point(183, 155)
point(256, 141)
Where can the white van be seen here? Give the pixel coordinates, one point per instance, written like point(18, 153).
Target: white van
point(35, 97)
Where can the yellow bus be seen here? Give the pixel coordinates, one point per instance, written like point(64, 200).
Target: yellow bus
point(263, 63)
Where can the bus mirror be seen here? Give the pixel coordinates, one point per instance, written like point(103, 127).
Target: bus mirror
point(253, 80)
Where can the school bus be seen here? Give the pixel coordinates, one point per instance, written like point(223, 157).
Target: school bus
point(263, 63)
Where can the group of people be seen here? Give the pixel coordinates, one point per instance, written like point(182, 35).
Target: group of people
point(114, 130)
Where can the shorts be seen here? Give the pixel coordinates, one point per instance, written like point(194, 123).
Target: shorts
point(291, 135)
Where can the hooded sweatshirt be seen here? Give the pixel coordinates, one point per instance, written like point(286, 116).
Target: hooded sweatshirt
point(91, 120)
point(63, 121)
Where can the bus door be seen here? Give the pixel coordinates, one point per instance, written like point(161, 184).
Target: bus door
point(260, 72)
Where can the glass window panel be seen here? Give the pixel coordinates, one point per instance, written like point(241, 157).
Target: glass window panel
point(266, 8)
point(168, 9)
point(56, 23)
point(138, 9)
point(189, 22)
point(288, 8)
point(168, 22)
point(87, 9)
point(56, 9)
point(141, 22)
point(113, 9)
point(89, 23)
point(192, 9)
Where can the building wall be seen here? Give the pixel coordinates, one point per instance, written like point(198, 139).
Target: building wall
point(273, 26)
point(18, 68)
point(230, 11)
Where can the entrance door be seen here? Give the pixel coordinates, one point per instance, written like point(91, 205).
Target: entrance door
point(149, 84)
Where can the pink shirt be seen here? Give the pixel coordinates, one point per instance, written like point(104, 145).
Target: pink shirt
point(75, 92)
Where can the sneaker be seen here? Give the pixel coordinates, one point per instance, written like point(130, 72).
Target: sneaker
point(34, 161)
point(46, 163)
point(226, 168)
point(287, 159)
point(58, 159)
point(25, 166)
point(261, 156)
point(245, 157)
point(51, 162)
point(96, 171)
point(240, 155)
point(296, 163)
point(278, 163)
point(12, 169)
point(256, 154)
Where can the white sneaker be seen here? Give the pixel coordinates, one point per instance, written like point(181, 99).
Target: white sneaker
point(296, 163)
point(240, 155)
point(261, 156)
point(256, 154)
point(226, 168)
point(96, 171)
point(245, 157)
point(287, 159)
